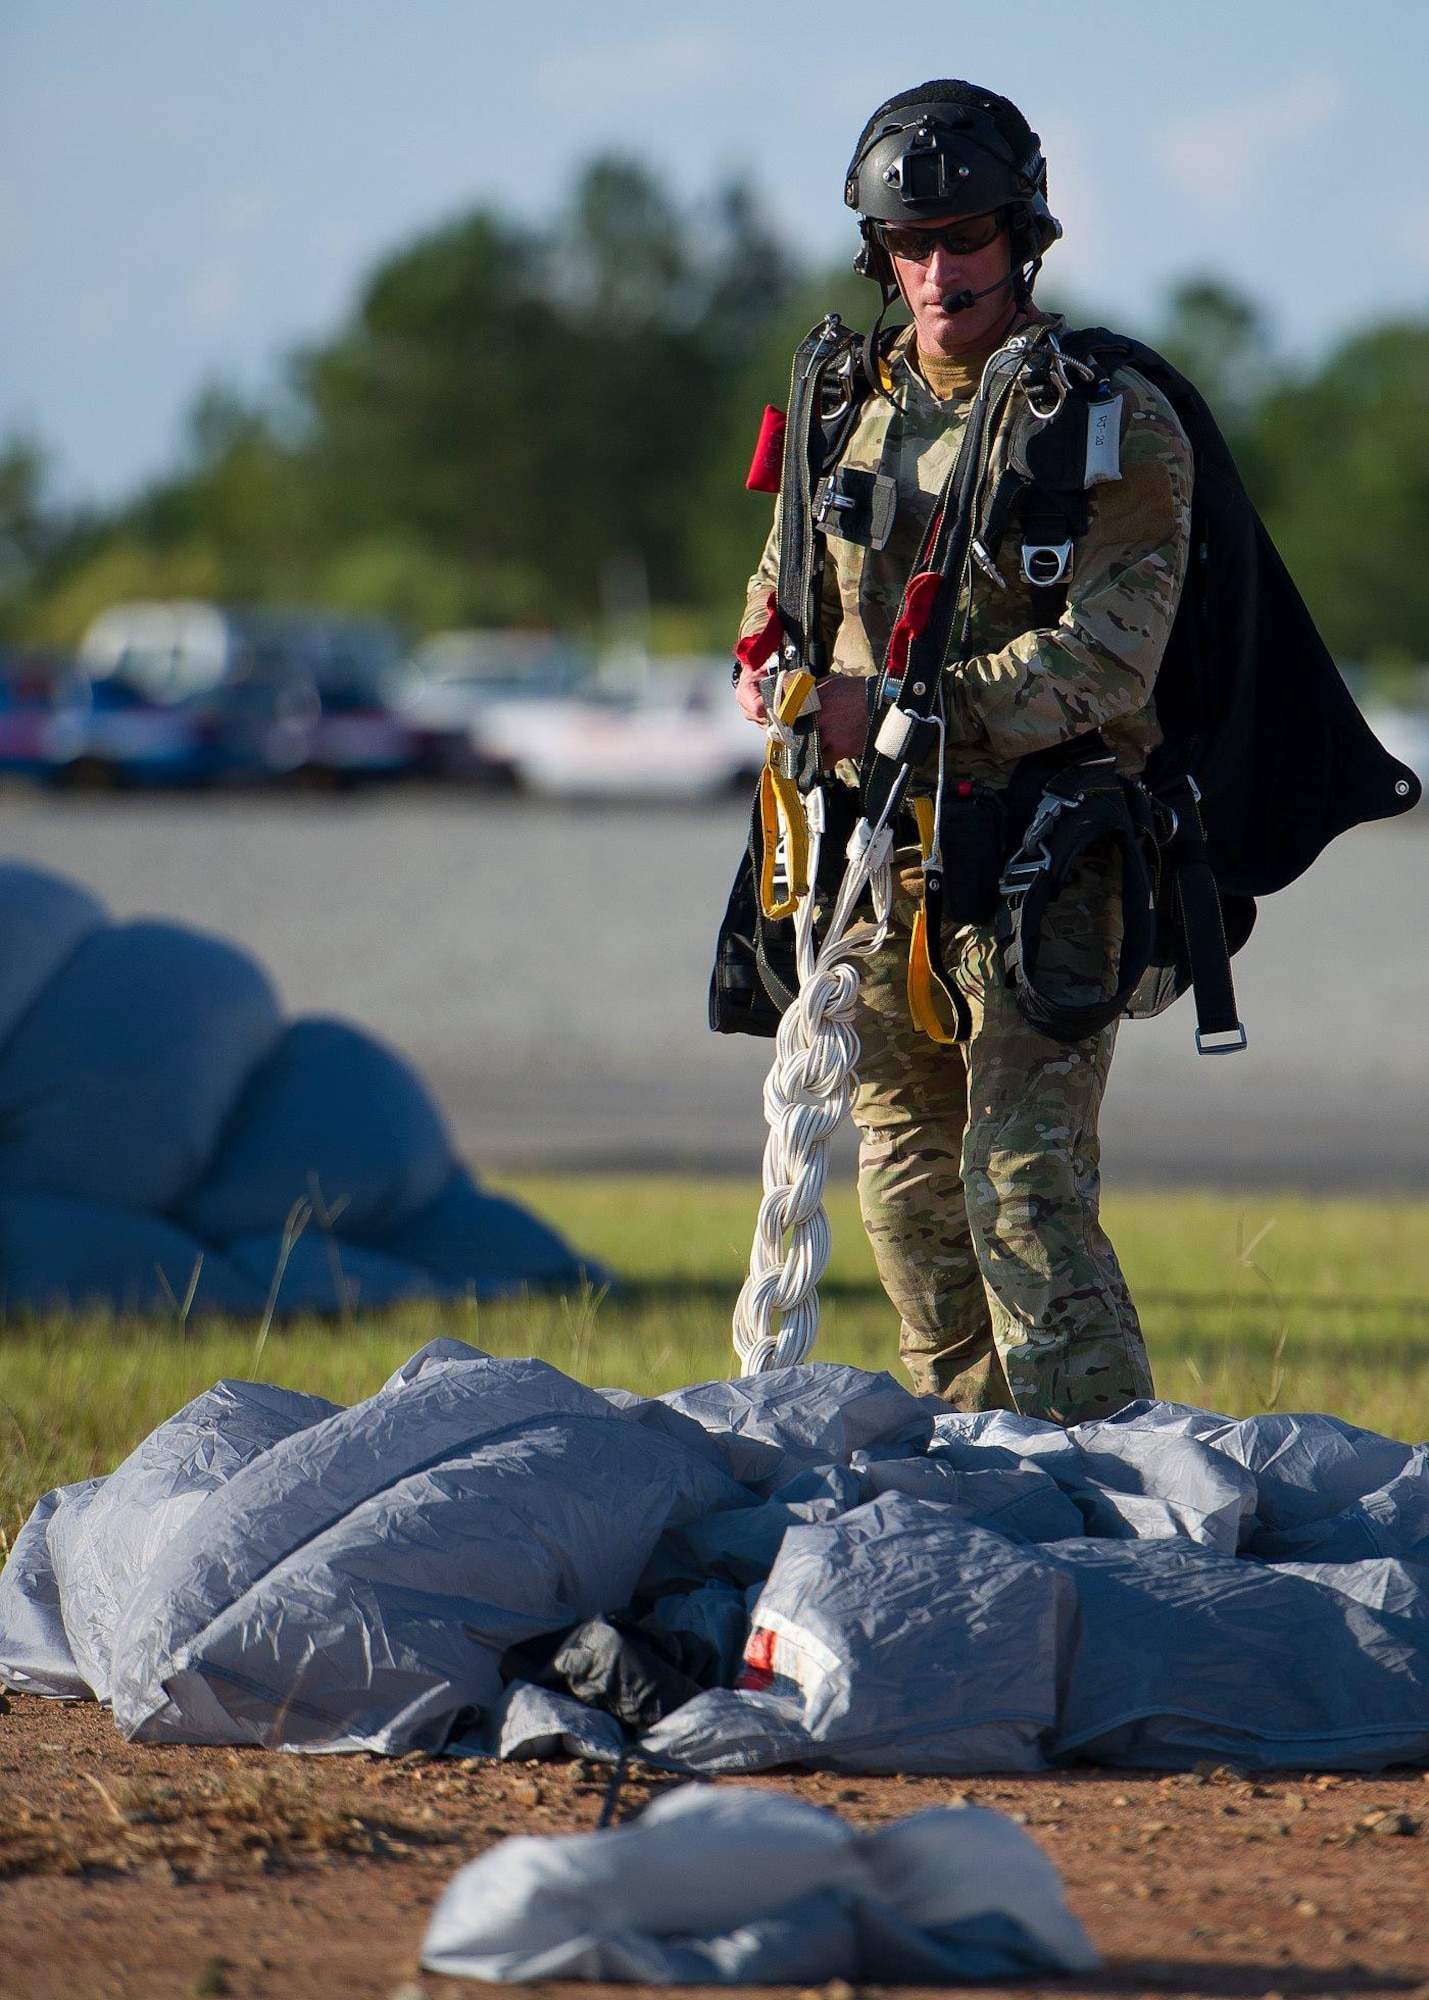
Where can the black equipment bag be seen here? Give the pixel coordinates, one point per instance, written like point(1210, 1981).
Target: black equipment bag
point(1250, 701)
point(754, 976)
point(1086, 809)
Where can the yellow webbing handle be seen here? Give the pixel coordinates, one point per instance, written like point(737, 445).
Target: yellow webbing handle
point(779, 800)
point(923, 988)
point(792, 696)
point(925, 812)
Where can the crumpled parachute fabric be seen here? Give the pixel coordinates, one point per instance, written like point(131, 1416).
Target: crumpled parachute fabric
point(158, 1118)
point(876, 1584)
point(742, 1887)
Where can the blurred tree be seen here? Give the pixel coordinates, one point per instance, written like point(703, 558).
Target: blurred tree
point(530, 408)
point(25, 528)
point(620, 260)
point(40, 541)
point(1346, 459)
point(512, 414)
point(1219, 340)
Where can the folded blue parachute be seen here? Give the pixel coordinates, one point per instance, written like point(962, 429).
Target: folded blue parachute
point(161, 1125)
point(872, 1583)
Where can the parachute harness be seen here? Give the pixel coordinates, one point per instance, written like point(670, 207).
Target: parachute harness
point(810, 1083)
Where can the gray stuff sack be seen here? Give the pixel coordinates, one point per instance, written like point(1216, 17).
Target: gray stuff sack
point(734, 1887)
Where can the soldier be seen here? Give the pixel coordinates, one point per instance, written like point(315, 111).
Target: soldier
point(979, 1162)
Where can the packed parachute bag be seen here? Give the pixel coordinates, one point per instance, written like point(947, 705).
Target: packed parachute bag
point(166, 1135)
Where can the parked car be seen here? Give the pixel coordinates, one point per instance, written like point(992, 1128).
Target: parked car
point(465, 681)
point(28, 681)
point(195, 692)
point(109, 732)
point(313, 689)
point(679, 737)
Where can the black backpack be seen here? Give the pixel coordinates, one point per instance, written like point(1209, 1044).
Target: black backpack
point(1250, 701)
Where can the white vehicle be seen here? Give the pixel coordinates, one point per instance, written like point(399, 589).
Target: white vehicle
point(681, 737)
point(166, 651)
point(453, 678)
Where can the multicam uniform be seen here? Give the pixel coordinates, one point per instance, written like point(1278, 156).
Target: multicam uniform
point(979, 1164)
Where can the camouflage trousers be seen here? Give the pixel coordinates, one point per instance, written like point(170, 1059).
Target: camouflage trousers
point(979, 1180)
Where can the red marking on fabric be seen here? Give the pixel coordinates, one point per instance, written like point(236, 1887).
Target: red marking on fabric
point(762, 645)
point(758, 1670)
point(912, 619)
point(766, 468)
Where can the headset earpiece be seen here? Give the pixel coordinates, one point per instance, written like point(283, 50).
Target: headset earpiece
point(873, 261)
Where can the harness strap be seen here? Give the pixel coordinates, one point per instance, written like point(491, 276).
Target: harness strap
point(810, 441)
point(797, 535)
point(1219, 1028)
point(1081, 808)
point(929, 982)
point(1050, 520)
point(919, 642)
point(781, 809)
point(791, 626)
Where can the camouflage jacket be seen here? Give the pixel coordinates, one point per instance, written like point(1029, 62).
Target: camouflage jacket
point(1024, 687)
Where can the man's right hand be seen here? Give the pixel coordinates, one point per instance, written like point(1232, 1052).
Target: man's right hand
point(746, 693)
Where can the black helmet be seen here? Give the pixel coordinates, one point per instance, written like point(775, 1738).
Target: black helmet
point(945, 150)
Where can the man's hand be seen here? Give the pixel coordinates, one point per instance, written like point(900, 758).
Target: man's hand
point(842, 715)
point(842, 718)
point(746, 693)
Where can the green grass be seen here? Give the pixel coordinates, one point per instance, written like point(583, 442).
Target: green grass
point(1250, 1301)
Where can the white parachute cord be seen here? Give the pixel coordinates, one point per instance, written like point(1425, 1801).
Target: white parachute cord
point(806, 1095)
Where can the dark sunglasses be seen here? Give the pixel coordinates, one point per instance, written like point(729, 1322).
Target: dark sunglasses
point(959, 239)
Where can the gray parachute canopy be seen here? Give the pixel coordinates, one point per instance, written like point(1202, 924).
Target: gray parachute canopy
point(868, 1583)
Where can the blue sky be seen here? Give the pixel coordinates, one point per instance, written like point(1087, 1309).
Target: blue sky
point(190, 187)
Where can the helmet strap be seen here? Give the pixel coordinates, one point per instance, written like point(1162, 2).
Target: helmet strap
point(1024, 277)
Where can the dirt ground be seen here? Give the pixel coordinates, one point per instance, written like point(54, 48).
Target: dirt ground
point(159, 1873)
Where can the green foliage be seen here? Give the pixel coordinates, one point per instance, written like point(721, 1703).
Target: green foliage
point(22, 514)
point(36, 538)
point(1249, 1302)
point(533, 408)
point(1219, 341)
point(1347, 454)
point(512, 414)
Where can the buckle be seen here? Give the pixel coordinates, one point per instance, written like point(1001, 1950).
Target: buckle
point(1046, 563)
point(1049, 808)
point(1221, 1041)
point(1023, 869)
point(829, 500)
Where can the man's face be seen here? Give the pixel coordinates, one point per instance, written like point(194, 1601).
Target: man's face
point(945, 270)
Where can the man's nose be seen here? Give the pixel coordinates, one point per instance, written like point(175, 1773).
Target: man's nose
point(945, 269)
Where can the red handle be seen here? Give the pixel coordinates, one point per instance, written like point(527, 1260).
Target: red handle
point(767, 466)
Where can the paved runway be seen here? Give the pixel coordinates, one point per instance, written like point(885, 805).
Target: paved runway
point(546, 969)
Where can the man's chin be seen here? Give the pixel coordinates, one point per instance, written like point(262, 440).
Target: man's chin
point(951, 333)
